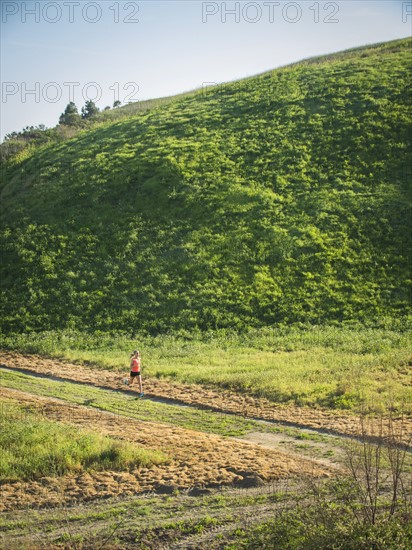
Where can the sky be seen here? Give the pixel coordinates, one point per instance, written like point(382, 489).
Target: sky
point(53, 52)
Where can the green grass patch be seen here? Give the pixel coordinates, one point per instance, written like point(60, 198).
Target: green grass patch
point(32, 447)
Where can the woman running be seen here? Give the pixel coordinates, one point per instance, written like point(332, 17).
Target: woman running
point(135, 370)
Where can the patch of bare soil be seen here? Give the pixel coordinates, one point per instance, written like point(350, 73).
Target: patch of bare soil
point(196, 460)
point(290, 445)
point(337, 422)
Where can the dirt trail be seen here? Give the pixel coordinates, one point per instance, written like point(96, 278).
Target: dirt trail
point(334, 422)
point(196, 460)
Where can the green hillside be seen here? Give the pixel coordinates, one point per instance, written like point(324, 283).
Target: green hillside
point(282, 198)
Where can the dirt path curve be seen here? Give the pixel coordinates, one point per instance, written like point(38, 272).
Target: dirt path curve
point(195, 459)
point(332, 422)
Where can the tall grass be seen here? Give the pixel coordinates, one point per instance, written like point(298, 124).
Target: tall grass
point(32, 447)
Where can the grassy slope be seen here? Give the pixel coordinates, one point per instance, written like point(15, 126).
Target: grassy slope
point(280, 198)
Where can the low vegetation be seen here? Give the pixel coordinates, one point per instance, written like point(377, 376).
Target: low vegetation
point(327, 522)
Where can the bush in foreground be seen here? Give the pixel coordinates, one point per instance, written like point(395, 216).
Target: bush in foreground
point(369, 508)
